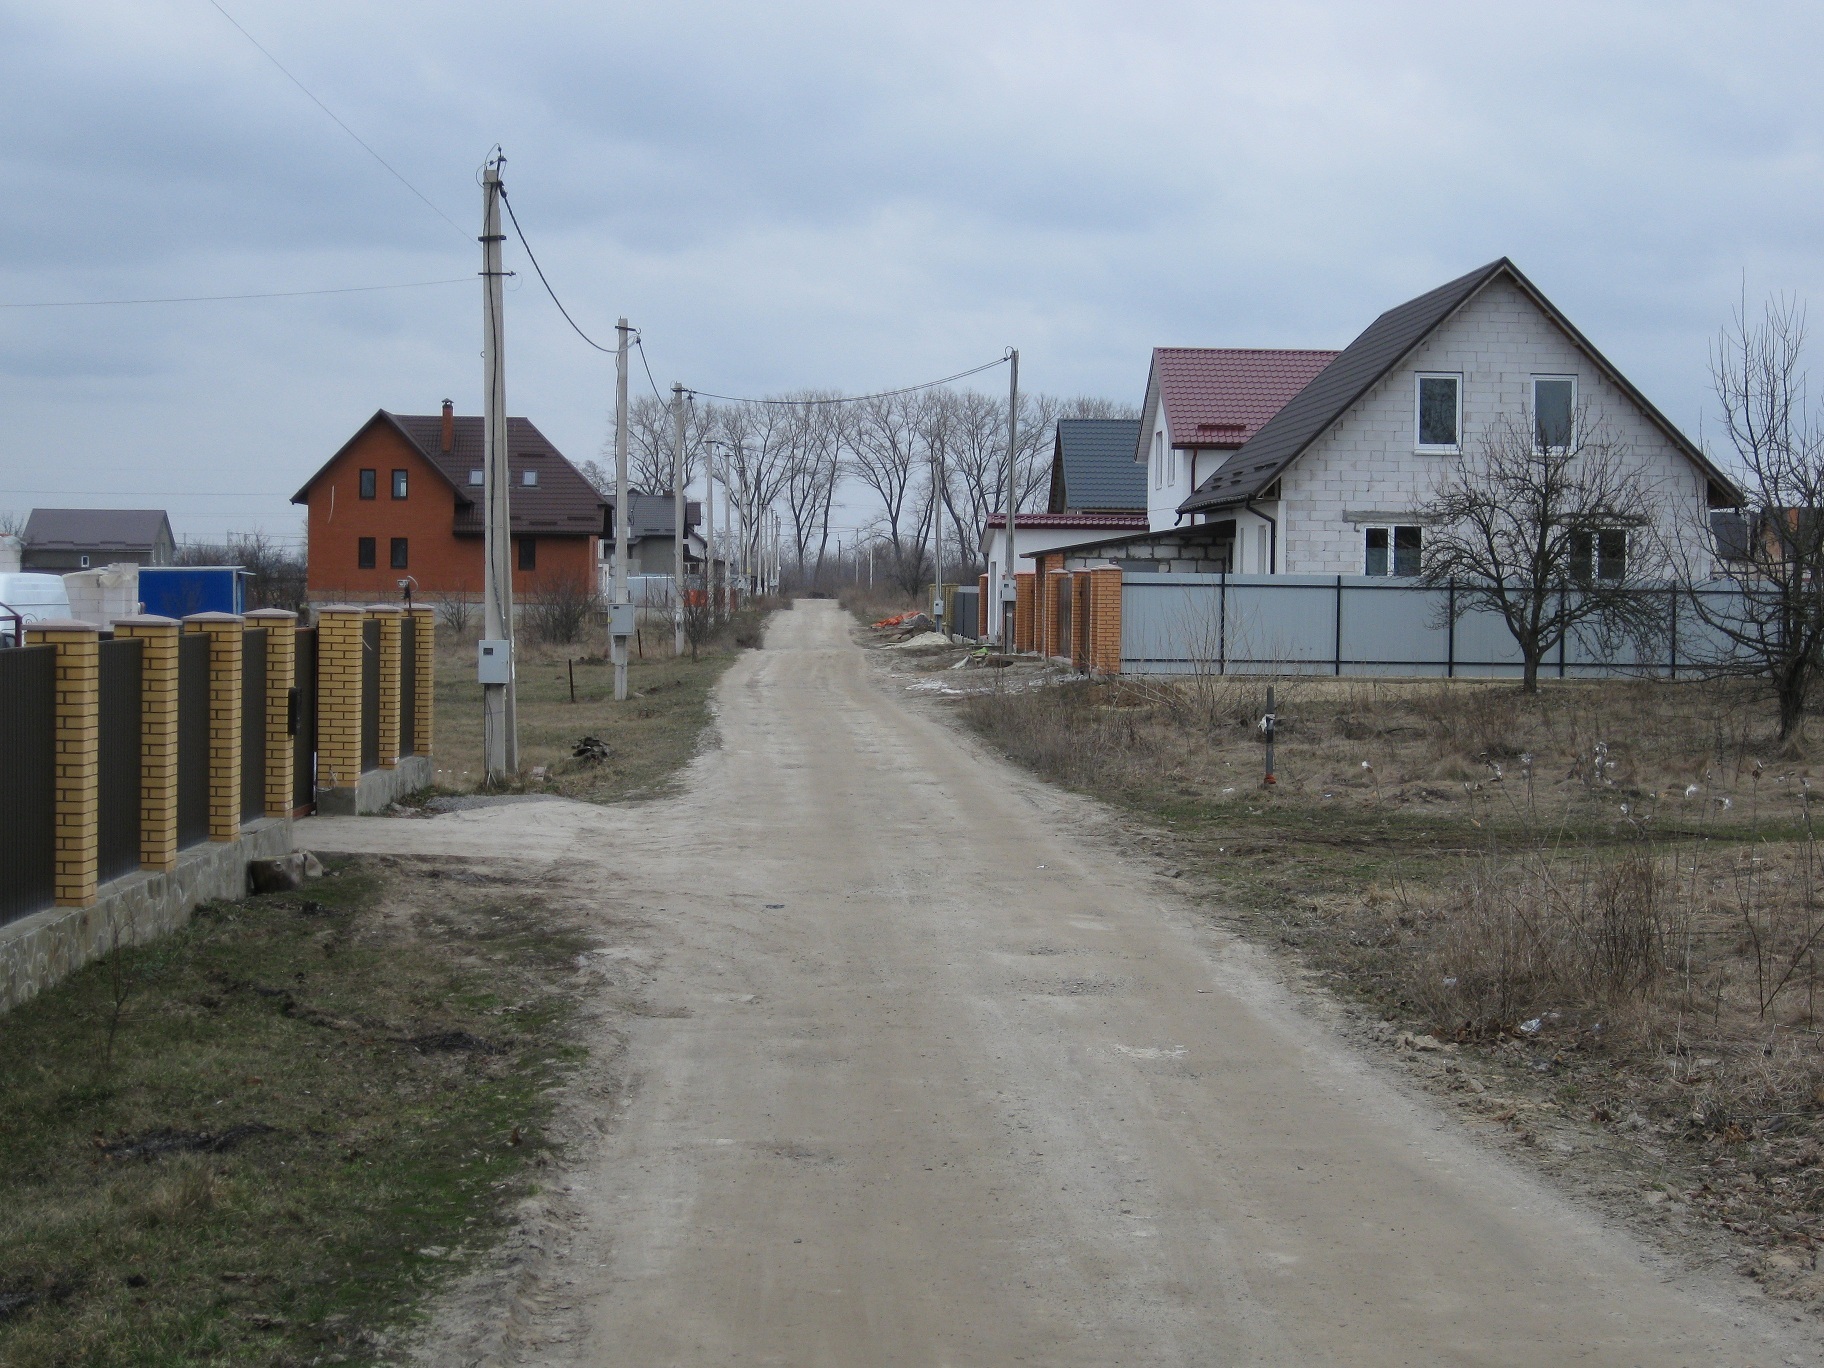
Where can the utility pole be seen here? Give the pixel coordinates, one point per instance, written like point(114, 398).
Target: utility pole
point(937, 537)
point(677, 500)
point(620, 609)
point(494, 667)
point(1009, 592)
point(709, 529)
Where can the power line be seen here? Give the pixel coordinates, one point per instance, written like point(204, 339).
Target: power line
point(208, 299)
point(339, 124)
point(541, 276)
point(859, 398)
point(640, 342)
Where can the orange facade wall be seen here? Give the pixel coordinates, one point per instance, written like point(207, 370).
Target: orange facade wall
point(437, 559)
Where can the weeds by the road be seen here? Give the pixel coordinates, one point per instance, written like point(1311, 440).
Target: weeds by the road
point(1612, 895)
point(317, 1105)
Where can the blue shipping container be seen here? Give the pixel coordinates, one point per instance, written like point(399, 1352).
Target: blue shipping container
point(180, 590)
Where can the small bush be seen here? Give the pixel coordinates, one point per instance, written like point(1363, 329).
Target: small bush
point(560, 610)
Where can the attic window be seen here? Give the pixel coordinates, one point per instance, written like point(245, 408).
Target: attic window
point(1440, 412)
point(477, 477)
point(529, 478)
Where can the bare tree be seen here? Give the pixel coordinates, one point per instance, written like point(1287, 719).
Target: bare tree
point(755, 441)
point(12, 524)
point(887, 461)
point(813, 469)
point(1771, 623)
point(650, 438)
point(276, 572)
point(1550, 531)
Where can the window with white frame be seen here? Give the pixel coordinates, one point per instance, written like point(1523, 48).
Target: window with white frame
point(1391, 550)
point(1438, 405)
point(1158, 459)
point(1601, 553)
point(1554, 411)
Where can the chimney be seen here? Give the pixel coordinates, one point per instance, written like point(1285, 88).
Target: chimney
point(449, 427)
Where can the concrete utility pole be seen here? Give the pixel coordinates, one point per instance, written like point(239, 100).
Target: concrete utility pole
point(620, 608)
point(709, 529)
point(677, 500)
point(1008, 591)
point(499, 702)
point(937, 538)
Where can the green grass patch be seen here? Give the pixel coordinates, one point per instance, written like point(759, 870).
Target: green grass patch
point(315, 1108)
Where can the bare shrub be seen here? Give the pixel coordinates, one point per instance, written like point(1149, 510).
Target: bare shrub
point(560, 610)
point(457, 613)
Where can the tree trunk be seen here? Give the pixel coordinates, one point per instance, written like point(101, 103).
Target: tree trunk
point(1529, 676)
point(1790, 687)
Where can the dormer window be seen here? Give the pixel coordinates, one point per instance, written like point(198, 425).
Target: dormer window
point(529, 478)
point(477, 477)
point(1440, 413)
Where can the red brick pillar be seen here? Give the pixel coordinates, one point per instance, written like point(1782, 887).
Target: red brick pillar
point(981, 607)
point(1023, 605)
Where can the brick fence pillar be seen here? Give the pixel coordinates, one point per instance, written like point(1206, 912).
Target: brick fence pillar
point(1105, 619)
point(392, 618)
point(224, 632)
point(339, 695)
point(157, 735)
point(1023, 606)
point(76, 790)
point(1079, 619)
point(281, 672)
point(421, 621)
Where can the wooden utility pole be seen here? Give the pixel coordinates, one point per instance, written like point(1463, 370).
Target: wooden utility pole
point(677, 500)
point(1008, 591)
point(499, 701)
point(620, 607)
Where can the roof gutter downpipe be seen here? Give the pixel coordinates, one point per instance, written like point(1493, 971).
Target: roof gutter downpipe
point(1272, 535)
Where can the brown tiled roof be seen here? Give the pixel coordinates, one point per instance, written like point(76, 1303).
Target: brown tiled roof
point(1222, 396)
point(562, 503)
point(1072, 520)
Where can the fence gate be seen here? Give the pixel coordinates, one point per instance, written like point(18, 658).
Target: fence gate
point(370, 695)
point(192, 739)
point(253, 724)
point(301, 721)
point(28, 737)
point(119, 742)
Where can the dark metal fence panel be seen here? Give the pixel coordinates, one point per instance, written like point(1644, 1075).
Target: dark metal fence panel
point(370, 695)
point(28, 732)
point(253, 724)
point(192, 739)
point(408, 687)
point(119, 744)
point(302, 721)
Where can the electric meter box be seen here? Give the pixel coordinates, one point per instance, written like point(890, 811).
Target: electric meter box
point(622, 619)
point(1009, 591)
point(937, 608)
point(494, 662)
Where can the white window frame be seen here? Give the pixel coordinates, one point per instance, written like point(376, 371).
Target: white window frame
point(1534, 397)
point(1158, 459)
point(1418, 384)
point(1391, 529)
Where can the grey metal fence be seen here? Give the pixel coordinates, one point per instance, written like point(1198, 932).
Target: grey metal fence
point(118, 767)
point(253, 724)
point(1361, 625)
point(28, 738)
point(966, 609)
point(192, 739)
point(370, 695)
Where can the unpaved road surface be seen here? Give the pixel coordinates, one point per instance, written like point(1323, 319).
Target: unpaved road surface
point(927, 1074)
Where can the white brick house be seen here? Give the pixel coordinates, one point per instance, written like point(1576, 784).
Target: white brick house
point(1331, 484)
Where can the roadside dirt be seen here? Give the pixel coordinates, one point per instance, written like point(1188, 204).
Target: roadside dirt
point(923, 1067)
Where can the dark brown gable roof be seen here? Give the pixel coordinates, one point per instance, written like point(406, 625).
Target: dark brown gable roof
point(1364, 362)
point(562, 503)
point(96, 529)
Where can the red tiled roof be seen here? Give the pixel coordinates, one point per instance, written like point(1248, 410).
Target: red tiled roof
point(1221, 396)
point(1072, 520)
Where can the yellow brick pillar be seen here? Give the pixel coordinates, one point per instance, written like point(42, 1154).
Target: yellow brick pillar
point(1023, 606)
point(339, 695)
point(77, 787)
point(391, 618)
point(224, 633)
point(1105, 619)
point(157, 736)
point(421, 621)
point(281, 673)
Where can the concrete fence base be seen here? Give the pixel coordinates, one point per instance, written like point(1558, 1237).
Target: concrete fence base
point(41, 950)
point(377, 789)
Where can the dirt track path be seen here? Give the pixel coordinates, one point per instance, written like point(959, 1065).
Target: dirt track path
point(946, 1083)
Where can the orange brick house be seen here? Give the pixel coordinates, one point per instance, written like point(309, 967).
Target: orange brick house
point(403, 497)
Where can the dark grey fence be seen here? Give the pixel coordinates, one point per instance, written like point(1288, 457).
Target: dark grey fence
point(118, 745)
point(192, 739)
point(408, 688)
point(966, 608)
point(301, 721)
point(1361, 625)
point(28, 759)
point(370, 695)
point(253, 724)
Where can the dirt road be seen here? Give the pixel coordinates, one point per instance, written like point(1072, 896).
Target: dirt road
point(926, 1075)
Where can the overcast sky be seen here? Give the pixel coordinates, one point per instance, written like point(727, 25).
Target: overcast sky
point(848, 195)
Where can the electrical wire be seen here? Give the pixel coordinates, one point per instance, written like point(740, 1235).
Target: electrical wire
point(339, 124)
point(208, 299)
point(640, 342)
point(860, 398)
point(520, 234)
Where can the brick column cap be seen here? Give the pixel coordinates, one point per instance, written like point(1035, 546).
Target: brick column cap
point(421, 609)
point(387, 608)
point(1105, 565)
point(61, 625)
point(212, 619)
point(340, 610)
point(146, 620)
point(271, 615)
